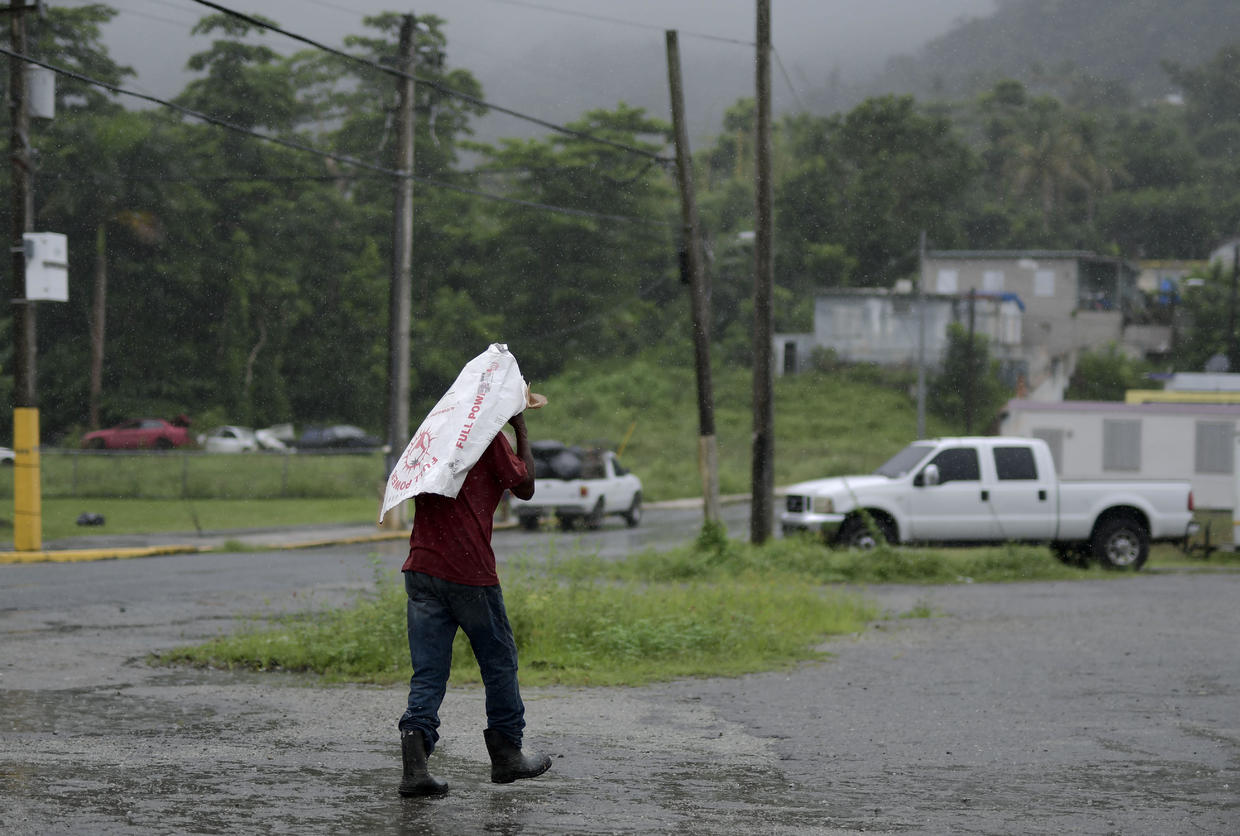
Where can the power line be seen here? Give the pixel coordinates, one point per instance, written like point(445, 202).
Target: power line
point(466, 97)
point(616, 20)
point(341, 158)
point(650, 26)
point(787, 80)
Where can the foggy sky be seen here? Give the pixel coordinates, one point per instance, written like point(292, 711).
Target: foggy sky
point(555, 65)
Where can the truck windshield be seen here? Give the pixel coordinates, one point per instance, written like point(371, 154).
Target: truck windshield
point(904, 461)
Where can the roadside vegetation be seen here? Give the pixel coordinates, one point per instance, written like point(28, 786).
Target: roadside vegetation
point(848, 419)
point(714, 607)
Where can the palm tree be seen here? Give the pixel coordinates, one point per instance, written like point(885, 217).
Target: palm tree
point(1047, 158)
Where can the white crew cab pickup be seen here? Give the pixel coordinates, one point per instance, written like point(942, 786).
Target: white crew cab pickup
point(578, 485)
point(974, 490)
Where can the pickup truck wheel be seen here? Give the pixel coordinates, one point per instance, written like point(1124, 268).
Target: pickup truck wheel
point(855, 534)
point(1121, 543)
point(594, 519)
point(633, 516)
point(567, 522)
point(529, 522)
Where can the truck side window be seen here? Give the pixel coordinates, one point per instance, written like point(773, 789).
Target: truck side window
point(958, 464)
point(1015, 463)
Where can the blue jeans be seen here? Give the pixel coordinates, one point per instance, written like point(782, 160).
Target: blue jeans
point(435, 609)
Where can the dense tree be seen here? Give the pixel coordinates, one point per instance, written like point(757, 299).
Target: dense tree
point(1206, 307)
point(867, 182)
point(248, 281)
point(592, 280)
point(968, 391)
point(1105, 374)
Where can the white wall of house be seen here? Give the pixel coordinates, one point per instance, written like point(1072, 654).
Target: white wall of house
point(1112, 440)
point(881, 328)
point(1225, 253)
point(792, 353)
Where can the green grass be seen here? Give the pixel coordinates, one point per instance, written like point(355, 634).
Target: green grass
point(826, 423)
point(153, 516)
point(570, 631)
point(712, 558)
point(715, 607)
point(197, 475)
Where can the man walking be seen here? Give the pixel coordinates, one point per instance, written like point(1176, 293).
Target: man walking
point(451, 583)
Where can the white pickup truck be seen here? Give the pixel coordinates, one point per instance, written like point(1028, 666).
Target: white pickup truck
point(578, 485)
point(973, 490)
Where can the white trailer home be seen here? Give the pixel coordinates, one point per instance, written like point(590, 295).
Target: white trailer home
point(1113, 440)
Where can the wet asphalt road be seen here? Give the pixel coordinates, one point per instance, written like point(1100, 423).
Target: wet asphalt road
point(1107, 707)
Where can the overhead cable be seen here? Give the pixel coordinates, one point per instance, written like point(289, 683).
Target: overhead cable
point(465, 97)
point(634, 24)
point(341, 158)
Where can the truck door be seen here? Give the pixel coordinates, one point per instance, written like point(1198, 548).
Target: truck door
point(956, 507)
point(1024, 499)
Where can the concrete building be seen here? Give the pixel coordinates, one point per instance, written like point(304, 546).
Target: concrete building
point(1039, 308)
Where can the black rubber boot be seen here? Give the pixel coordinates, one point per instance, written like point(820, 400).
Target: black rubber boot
point(508, 762)
point(417, 780)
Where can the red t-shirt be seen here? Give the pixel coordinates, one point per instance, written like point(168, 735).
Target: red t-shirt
point(451, 538)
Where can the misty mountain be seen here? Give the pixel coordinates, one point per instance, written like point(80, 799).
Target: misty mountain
point(1084, 51)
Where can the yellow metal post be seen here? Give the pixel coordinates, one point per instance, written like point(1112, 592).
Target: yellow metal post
point(27, 493)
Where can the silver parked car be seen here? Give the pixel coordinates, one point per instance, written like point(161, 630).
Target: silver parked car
point(234, 439)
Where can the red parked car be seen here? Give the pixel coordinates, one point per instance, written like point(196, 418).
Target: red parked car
point(141, 433)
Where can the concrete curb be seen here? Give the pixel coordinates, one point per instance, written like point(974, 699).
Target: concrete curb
point(80, 555)
point(121, 553)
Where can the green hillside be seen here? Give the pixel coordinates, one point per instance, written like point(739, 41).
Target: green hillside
point(1075, 49)
point(825, 423)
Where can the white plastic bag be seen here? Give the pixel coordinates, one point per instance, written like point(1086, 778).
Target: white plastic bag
point(451, 439)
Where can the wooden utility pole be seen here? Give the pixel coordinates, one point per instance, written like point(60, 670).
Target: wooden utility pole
point(762, 509)
point(27, 489)
point(399, 303)
point(1233, 362)
point(969, 385)
point(921, 335)
point(25, 389)
point(699, 291)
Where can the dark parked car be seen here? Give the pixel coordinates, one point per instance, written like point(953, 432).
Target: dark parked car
point(141, 433)
point(338, 437)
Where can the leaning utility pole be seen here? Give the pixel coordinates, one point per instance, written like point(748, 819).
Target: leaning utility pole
point(708, 452)
point(399, 303)
point(762, 509)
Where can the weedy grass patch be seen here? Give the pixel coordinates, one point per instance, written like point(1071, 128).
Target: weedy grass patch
point(571, 629)
point(715, 607)
point(714, 556)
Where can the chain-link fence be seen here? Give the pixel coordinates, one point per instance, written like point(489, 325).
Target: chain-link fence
point(194, 474)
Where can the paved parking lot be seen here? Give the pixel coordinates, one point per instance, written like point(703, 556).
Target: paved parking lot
point(1106, 706)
